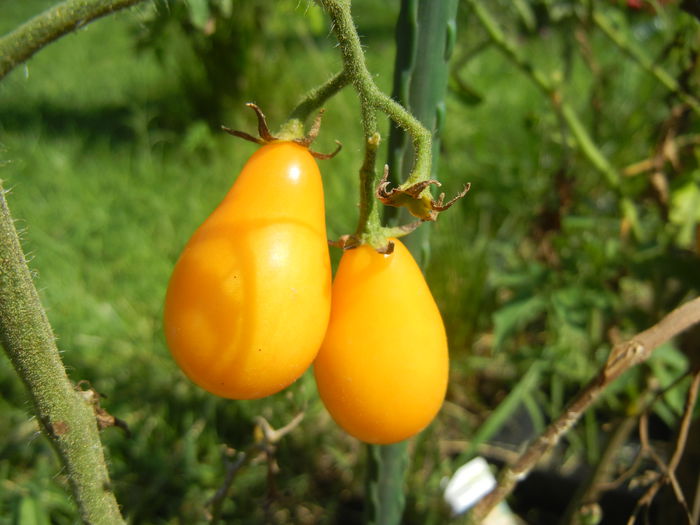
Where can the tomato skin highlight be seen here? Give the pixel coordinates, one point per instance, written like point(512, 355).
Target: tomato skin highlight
point(249, 300)
point(383, 367)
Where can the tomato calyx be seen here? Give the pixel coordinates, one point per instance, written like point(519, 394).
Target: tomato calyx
point(266, 137)
point(416, 197)
point(379, 241)
point(350, 242)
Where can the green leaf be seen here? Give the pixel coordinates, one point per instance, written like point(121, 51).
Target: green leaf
point(30, 512)
point(685, 211)
point(504, 410)
point(667, 364)
point(515, 315)
point(199, 12)
point(526, 14)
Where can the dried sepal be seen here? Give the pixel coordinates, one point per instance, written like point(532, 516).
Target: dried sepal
point(326, 156)
point(263, 128)
point(312, 135)
point(266, 137)
point(346, 242)
point(416, 197)
point(404, 229)
point(313, 132)
point(439, 206)
point(386, 250)
point(243, 135)
point(349, 242)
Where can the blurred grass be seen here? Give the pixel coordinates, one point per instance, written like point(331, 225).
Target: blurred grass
point(111, 171)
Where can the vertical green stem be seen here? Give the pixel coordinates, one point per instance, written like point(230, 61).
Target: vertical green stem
point(425, 34)
point(64, 415)
point(356, 70)
point(386, 470)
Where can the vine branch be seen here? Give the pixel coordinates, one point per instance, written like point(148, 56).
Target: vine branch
point(315, 98)
point(64, 414)
point(623, 356)
point(372, 99)
point(21, 43)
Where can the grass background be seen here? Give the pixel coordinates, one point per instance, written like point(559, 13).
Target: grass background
point(109, 144)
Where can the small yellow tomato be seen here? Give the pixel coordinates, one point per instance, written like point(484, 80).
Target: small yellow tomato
point(383, 366)
point(249, 299)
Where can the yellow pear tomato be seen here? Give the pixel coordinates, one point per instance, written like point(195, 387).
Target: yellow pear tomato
point(383, 365)
point(249, 300)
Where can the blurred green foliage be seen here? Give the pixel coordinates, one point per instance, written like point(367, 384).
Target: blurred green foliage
point(109, 142)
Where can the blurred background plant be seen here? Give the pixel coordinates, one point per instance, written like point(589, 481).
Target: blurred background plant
point(109, 142)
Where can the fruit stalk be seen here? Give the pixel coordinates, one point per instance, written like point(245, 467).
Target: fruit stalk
point(372, 99)
point(425, 34)
point(66, 417)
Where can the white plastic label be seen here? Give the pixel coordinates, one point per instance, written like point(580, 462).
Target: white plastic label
point(471, 482)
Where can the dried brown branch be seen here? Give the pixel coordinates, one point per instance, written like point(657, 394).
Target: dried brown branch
point(266, 439)
point(600, 477)
point(622, 357)
point(667, 474)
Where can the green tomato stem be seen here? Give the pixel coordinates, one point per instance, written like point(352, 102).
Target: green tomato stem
point(20, 44)
point(66, 417)
point(372, 99)
point(316, 97)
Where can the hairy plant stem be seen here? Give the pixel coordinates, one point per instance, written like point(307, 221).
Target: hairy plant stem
point(20, 44)
point(66, 417)
point(317, 96)
point(425, 32)
point(425, 37)
point(369, 227)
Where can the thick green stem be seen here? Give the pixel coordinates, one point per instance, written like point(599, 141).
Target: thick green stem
point(425, 34)
point(30, 37)
point(386, 470)
point(356, 70)
point(66, 417)
point(369, 219)
point(315, 98)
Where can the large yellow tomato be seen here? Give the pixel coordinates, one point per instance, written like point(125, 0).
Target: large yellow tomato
point(248, 302)
point(382, 369)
